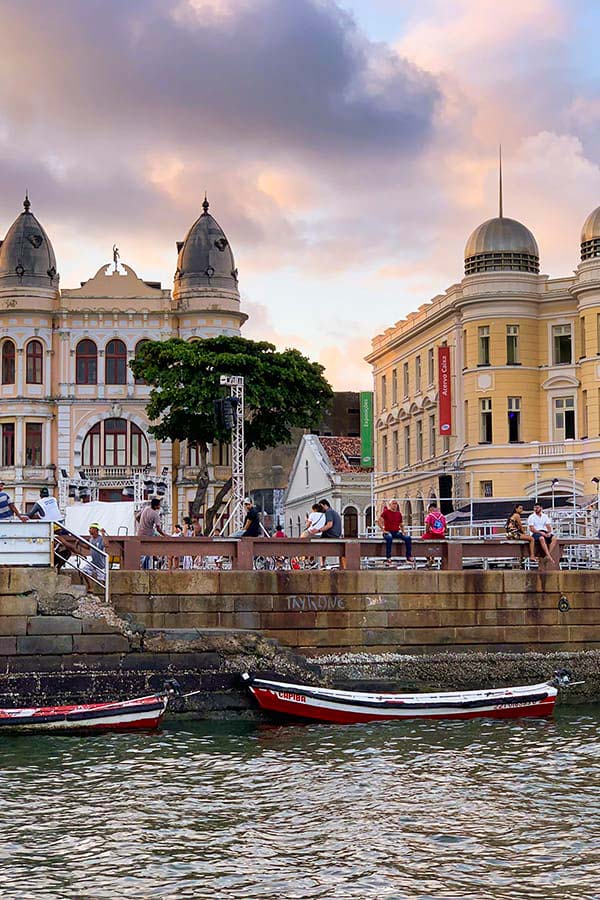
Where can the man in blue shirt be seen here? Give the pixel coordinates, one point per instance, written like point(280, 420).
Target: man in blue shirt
point(7, 507)
point(331, 528)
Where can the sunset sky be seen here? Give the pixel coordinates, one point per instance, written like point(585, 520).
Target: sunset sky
point(347, 148)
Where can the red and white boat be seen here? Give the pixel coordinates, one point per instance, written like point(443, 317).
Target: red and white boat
point(347, 707)
point(142, 714)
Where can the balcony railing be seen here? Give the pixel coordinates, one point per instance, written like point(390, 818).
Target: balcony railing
point(102, 473)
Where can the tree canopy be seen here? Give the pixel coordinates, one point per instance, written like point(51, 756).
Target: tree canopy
point(283, 390)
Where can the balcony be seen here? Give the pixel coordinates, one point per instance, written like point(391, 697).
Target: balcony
point(110, 473)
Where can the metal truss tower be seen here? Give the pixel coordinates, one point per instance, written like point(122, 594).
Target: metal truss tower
point(238, 489)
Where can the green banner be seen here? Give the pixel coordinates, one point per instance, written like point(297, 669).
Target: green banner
point(366, 429)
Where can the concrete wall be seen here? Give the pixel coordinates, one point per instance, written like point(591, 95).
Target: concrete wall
point(421, 612)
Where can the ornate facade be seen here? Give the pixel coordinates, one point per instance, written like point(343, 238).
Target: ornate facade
point(70, 403)
point(525, 379)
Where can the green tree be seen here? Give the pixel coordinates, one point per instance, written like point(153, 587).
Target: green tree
point(283, 390)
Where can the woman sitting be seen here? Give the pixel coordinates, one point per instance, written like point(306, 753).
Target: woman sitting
point(516, 531)
point(314, 521)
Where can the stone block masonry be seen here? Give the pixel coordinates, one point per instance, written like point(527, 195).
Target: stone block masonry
point(323, 612)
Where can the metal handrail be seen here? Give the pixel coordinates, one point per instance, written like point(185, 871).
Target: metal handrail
point(96, 574)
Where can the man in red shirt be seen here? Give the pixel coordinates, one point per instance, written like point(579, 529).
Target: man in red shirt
point(390, 522)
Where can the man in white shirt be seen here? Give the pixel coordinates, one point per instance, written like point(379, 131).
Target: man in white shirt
point(540, 527)
point(46, 508)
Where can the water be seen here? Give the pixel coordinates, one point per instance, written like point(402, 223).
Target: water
point(452, 809)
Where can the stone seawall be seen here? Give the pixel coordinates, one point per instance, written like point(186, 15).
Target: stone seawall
point(324, 612)
point(400, 631)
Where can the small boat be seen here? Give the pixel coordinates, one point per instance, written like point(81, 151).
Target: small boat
point(141, 714)
point(348, 707)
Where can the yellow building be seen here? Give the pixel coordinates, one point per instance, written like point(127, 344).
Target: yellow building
point(524, 352)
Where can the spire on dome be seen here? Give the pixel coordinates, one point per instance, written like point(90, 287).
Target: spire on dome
point(26, 203)
point(205, 205)
point(500, 180)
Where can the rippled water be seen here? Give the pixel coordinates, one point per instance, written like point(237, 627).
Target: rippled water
point(203, 810)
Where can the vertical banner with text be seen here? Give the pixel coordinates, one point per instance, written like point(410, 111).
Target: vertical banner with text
point(366, 429)
point(444, 391)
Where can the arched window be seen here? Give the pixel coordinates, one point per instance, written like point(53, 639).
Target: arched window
point(408, 516)
point(115, 442)
point(137, 350)
point(8, 362)
point(86, 362)
point(116, 363)
point(369, 518)
point(34, 362)
point(350, 522)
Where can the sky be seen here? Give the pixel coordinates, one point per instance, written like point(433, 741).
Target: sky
point(348, 147)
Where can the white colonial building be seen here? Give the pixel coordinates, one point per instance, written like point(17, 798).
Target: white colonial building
point(69, 401)
point(329, 468)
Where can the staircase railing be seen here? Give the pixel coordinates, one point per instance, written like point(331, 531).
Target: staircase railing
point(80, 549)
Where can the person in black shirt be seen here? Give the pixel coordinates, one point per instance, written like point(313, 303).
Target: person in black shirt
point(251, 522)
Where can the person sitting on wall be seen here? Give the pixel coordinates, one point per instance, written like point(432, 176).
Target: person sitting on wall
point(390, 522)
point(331, 528)
point(315, 519)
point(46, 508)
point(540, 527)
point(251, 526)
point(516, 531)
point(435, 524)
point(435, 528)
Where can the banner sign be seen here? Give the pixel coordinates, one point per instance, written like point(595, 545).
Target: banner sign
point(444, 391)
point(366, 429)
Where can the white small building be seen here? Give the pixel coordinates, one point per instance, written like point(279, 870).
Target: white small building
point(329, 468)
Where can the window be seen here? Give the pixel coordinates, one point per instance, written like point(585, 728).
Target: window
point(483, 335)
point(86, 363)
point(384, 453)
point(394, 387)
point(193, 454)
point(584, 412)
point(564, 418)
point(418, 374)
point(419, 439)
point(137, 350)
point(445, 444)
point(116, 365)
point(34, 359)
point(464, 348)
point(306, 473)
point(561, 345)
point(395, 450)
point(512, 345)
point(486, 488)
point(431, 366)
point(432, 435)
point(114, 442)
point(383, 392)
point(33, 443)
point(405, 379)
point(514, 420)
point(407, 445)
point(485, 415)
point(466, 421)
point(582, 351)
point(8, 362)
point(7, 445)
point(221, 453)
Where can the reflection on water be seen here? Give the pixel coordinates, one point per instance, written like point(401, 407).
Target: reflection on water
point(448, 809)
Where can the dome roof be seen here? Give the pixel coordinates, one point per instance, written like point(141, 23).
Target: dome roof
point(500, 245)
point(205, 256)
point(590, 235)
point(26, 254)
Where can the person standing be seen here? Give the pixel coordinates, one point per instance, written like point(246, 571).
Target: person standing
point(149, 524)
point(390, 523)
point(7, 507)
point(540, 527)
point(251, 526)
point(97, 567)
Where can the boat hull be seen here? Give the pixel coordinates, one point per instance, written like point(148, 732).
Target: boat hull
point(347, 708)
point(143, 713)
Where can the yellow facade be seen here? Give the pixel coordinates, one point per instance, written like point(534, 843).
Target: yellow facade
point(525, 380)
